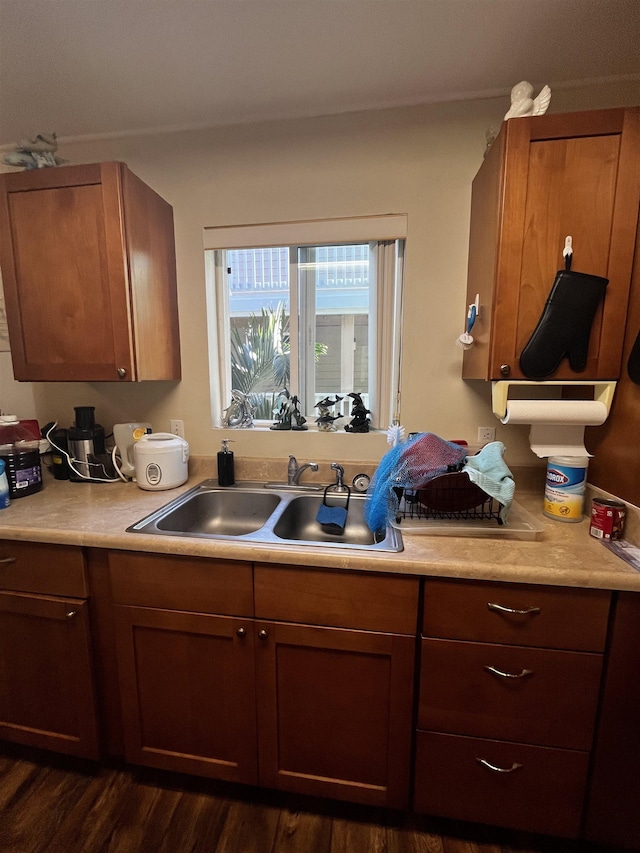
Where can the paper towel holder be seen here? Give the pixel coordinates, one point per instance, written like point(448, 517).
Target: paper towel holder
point(603, 391)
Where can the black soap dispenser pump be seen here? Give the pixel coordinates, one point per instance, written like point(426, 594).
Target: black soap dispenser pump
point(226, 475)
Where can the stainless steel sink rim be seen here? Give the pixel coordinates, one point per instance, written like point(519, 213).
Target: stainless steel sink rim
point(265, 535)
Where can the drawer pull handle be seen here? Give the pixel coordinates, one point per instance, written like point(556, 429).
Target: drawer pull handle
point(496, 769)
point(71, 614)
point(501, 609)
point(503, 674)
point(7, 560)
point(263, 634)
point(241, 632)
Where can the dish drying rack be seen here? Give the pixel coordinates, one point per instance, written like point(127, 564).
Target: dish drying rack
point(448, 497)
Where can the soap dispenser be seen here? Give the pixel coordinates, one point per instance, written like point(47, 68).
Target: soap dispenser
point(226, 476)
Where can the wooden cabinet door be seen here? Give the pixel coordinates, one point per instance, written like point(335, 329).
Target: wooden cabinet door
point(335, 712)
point(65, 273)
point(545, 178)
point(47, 694)
point(612, 812)
point(188, 691)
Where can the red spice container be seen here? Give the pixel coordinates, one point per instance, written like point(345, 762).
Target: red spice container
point(607, 518)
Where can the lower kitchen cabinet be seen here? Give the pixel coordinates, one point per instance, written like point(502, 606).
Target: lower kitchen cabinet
point(323, 709)
point(508, 702)
point(334, 712)
point(613, 816)
point(335, 656)
point(188, 692)
point(47, 691)
point(302, 679)
point(184, 641)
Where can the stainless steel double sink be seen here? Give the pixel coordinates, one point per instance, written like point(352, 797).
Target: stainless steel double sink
point(249, 512)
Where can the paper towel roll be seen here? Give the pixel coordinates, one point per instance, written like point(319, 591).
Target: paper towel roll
point(557, 426)
point(583, 412)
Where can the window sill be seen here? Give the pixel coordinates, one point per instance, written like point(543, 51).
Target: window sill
point(311, 430)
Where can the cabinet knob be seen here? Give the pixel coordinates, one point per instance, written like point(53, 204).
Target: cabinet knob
point(495, 767)
point(71, 614)
point(505, 369)
point(241, 632)
point(263, 634)
point(122, 371)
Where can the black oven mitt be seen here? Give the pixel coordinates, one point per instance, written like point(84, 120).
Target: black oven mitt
point(565, 324)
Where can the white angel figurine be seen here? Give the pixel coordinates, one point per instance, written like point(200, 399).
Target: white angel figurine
point(523, 104)
point(38, 152)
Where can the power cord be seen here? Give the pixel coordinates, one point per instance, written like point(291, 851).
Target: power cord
point(114, 459)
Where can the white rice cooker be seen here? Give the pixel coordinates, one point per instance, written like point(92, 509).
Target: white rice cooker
point(160, 460)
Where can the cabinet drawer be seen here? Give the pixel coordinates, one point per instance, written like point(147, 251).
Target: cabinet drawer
point(544, 697)
point(520, 614)
point(181, 583)
point(42, 569)
point(544, 794)
point(337, 599)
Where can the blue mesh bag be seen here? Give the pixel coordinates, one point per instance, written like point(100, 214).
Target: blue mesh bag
point(408, 466)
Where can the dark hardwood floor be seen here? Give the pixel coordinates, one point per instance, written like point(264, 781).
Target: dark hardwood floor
point(53, 804)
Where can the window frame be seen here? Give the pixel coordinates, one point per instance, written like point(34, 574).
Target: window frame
point(385, 317)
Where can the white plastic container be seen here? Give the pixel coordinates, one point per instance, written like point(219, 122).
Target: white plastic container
point(125, 437)
point(564, 490)
point(161, 461)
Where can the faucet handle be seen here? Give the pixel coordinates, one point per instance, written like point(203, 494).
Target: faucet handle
point(339, 475)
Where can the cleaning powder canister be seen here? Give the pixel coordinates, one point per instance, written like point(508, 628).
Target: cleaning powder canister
point(564, 490)
point(226, 474)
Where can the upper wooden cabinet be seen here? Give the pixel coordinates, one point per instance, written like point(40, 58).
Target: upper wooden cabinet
point(88, 265)
point(544, 178)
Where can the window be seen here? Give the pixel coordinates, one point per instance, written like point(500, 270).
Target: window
point(319, 318)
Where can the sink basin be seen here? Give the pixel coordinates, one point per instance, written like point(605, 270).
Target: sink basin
point(298, 522)
point(248, 512)
point(223, 512)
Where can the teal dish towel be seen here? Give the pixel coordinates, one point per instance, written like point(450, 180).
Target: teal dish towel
point(488, 470)
point(332, 518)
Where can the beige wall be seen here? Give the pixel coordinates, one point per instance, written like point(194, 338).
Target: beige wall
point(419, 161)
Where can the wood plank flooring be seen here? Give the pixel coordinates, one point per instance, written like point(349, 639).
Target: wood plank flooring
point(53, 804)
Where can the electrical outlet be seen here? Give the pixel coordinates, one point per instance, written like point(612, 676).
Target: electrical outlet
point(177, 428)
point(486, 434)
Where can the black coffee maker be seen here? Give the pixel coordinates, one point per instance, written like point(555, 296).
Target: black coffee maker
point(90, 461)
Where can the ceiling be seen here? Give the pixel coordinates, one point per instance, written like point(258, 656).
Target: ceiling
point(102, 67)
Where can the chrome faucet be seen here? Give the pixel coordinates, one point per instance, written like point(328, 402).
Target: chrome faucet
point(295, 471)
point(339, 485)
